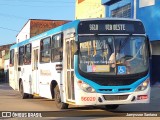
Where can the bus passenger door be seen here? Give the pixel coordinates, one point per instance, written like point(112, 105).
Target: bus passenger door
point(35, 79)
point(70, 70)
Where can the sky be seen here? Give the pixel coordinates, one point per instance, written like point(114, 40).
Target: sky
point(15, 13)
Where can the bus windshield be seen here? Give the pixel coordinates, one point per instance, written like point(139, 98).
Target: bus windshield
point(113, 55)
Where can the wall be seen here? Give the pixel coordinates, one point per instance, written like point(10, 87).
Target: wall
point(4, 50)
point(6, 62)
point(24, 33)
point(149, 13)
point(155, 71)
point(150, 16)
point(89, 9)
point(118, 4)
point(40, 26)
point(36, 26)
point(6, 70)
point(1, 63)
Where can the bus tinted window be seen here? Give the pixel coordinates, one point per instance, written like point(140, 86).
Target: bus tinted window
point(56, 55)
point(21, 55)
point(45, 50)
point(27, 58)
point(11, 58)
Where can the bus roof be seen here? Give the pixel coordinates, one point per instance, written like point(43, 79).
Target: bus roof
point(73, 24)
point(127, 19)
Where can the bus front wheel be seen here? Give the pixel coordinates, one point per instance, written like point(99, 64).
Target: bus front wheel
point(111, 107)
point(57, 98)
point(23, 95)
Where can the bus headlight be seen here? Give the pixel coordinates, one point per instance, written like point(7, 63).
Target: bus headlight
point(143, 85)
point(85, 87)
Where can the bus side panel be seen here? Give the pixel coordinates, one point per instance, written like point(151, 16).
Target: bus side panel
point(26, 76)
point(47, 73)
point(12, 77)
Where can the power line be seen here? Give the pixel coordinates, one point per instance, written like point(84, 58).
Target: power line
point(64, 1)
point(46, 2)
point(21, 5)
point(31, 3)
point(9, 29)
point(44, 6)
point(4, 28)
point(13, 16)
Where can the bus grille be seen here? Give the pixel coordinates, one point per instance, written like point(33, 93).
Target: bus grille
point(117, 80)
point(115, 97)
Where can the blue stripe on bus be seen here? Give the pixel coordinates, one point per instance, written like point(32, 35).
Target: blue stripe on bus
point(97, 87)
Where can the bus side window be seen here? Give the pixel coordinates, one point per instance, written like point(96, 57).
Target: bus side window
point(45, 50)
point(21, 55)
point(11, 62)
point(57, 48)
point(27, 58)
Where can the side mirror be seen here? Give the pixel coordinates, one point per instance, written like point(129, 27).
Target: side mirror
point(149, 47)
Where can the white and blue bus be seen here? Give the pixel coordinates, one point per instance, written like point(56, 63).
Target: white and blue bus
point(85, 62)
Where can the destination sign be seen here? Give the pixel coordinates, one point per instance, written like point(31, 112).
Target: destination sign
point(108, 27)
point(115, 27)
point(111, 27)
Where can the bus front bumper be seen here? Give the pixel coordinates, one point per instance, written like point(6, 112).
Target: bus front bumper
point(111, 99)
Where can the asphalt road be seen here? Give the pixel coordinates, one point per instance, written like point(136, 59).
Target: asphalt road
point(10, 101)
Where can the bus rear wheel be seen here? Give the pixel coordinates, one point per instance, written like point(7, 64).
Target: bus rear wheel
point(111, 107)
point(23, 95)
point(57, 98)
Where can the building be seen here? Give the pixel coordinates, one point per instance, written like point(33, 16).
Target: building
point(148, 12)
point(6, 67)
point(4, 61)
point(36, 26)
point(4, 50)
point(89, 9)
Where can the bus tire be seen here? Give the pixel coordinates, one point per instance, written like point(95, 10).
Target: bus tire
point(23, 95)
point(111, 107)
point(57, 99)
